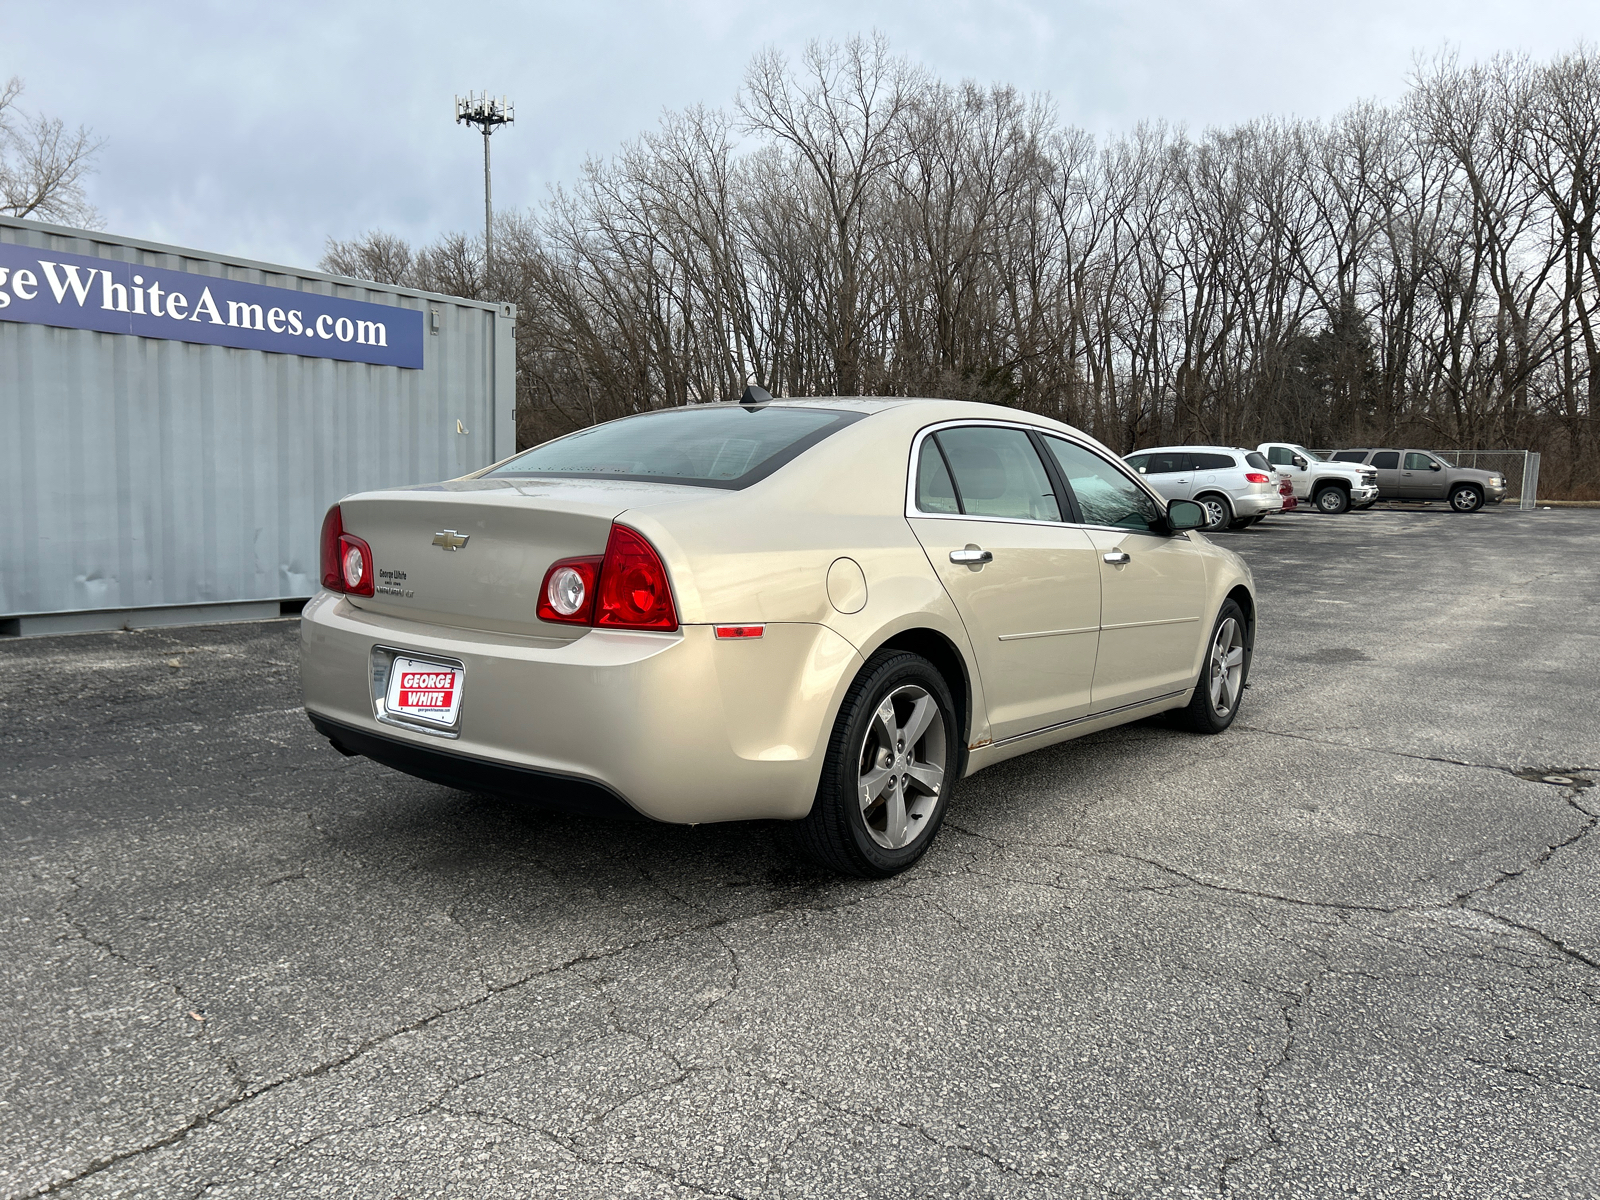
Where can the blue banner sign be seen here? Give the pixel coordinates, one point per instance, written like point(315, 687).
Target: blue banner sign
point(75, 291)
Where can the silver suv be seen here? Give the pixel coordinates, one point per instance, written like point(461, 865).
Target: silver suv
point(1236, 487)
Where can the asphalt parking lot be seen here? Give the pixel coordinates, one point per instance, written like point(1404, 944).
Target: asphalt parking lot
point(1349, 947)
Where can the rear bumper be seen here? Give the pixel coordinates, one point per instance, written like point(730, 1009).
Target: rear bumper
point(1253, 505)
point(564, 793)
point(679, 727)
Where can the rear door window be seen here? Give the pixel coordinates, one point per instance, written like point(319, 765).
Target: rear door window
point(713, 445)
point(997, 473)
point(1168, 462)
point(935, 492)
point(1105, 495)
point(1386, 460)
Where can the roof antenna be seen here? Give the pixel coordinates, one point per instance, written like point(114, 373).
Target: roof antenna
point(754, 396)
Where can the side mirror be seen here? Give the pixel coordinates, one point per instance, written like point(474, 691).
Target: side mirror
point(1300, 464)
point(1433, 466)
point(1185, 514)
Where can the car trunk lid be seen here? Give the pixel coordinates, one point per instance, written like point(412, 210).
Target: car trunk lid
point(472, 554)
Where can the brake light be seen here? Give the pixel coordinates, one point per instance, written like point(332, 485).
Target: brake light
point(567, 594)
point(634, 592)
point(332, 529)
point(346, 559)
point(626, 588)
point(1257, 477)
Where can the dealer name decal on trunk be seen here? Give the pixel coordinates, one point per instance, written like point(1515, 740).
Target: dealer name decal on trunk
point(391, 583)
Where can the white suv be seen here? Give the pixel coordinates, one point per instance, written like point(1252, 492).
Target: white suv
point(1236, 487)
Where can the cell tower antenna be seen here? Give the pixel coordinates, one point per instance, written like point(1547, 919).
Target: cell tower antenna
point(488, 113)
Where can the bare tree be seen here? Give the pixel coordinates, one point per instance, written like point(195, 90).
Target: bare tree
point(376, 255)
point(43, 165)
point(1424, 272)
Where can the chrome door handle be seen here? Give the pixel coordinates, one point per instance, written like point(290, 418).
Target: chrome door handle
point(971, 556)
point(1117, 557)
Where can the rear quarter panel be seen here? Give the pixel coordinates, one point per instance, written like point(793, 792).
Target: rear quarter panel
point(762, 555)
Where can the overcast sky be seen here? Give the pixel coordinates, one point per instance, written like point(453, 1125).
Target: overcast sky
point(263, 130)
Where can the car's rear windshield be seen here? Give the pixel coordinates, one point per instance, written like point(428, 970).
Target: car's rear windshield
point(1258, 461)
point(721, 446)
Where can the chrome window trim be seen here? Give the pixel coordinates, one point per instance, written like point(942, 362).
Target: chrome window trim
point(912, 511)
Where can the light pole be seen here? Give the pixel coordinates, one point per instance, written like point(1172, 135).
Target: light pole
point(488, 113)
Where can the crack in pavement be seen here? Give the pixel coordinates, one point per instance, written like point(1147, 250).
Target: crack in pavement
point(1511, 1069)
point(245, 1094)
point(1434, 758)
point(577, 1153)
point(878, 1117)
point(1274, 1137)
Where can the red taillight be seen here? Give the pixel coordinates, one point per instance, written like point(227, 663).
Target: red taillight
point(634, 592)
point(567, 594)
point(1257, 477)
point(332, 530)
point(627, 588)
point(346, 559)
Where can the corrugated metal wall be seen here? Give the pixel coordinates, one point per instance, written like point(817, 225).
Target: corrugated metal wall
point(137, 472)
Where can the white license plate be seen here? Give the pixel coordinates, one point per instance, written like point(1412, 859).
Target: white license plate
point(424, 691)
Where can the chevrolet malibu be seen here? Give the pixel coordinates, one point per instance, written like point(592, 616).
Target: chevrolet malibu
point(822, 611)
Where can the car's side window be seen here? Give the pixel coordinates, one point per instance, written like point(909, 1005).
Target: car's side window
point(998, 473)
point(1417, 462)
point(1213, 462)
point(1279, 456)
point(1386, 460)
point(935, 492)
point(1350, 456)
point(1105, 495)
point(1139, 462)
point(1168, 464)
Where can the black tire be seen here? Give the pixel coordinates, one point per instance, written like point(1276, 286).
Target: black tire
point(1466, 498)
point(1219, 512)
point(1332, 500)
point(836, 833)
point(1204, 714)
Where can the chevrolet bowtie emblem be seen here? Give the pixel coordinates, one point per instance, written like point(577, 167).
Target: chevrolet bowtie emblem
point(450, 539)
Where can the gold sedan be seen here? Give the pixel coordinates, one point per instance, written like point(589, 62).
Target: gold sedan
point(824, 611)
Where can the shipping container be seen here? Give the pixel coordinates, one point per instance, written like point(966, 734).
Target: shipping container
point(176, 422)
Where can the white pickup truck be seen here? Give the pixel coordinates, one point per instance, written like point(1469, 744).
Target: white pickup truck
point(1331, 487)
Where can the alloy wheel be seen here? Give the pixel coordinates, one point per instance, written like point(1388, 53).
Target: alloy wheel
point(902, 764)
point(1226, 666)
point(1217, 514)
